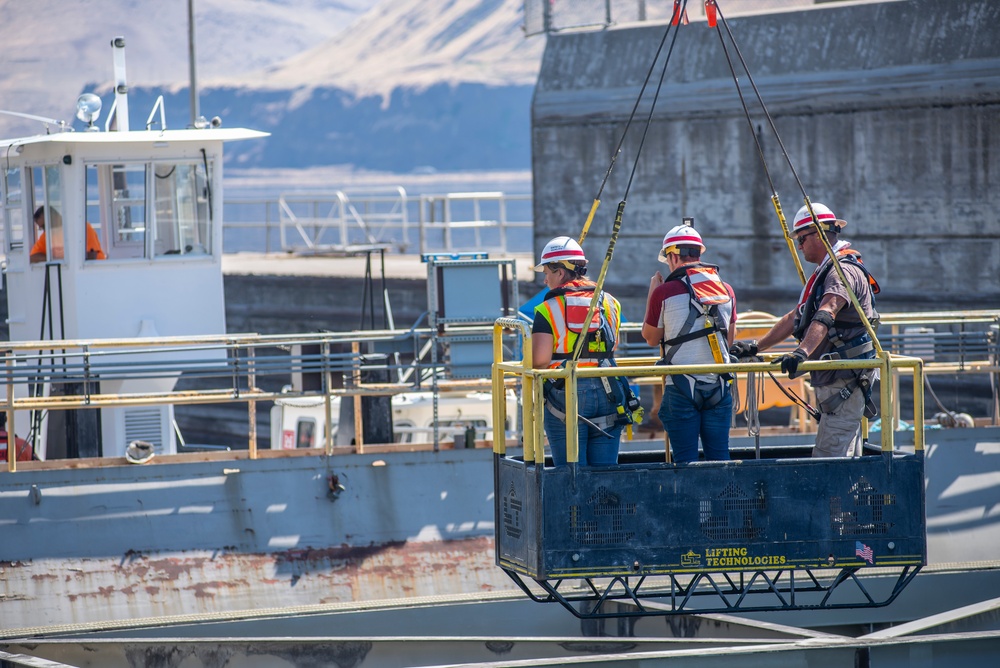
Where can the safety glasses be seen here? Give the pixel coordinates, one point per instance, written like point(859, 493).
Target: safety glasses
point(802, 240)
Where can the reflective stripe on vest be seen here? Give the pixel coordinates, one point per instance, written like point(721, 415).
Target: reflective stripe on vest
point(577, 306)
point(567, 312)
point(707, 286)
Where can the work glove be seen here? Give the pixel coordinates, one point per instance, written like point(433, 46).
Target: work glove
point(790, 362)
point(743, 349)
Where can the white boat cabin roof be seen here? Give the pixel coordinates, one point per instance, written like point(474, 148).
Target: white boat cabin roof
point(137, 137)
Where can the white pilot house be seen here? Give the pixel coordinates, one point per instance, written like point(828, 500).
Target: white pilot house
point(128, 243)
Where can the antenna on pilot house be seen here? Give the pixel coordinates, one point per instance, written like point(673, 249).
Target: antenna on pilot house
point(192, 69)
point(118, 116)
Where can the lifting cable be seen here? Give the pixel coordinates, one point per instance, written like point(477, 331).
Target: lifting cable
point(712, 9)
point(760, 150)
point(635, 107)
point(715, 16)
point(680, 7)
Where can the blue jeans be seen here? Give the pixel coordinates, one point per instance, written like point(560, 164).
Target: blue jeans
point(592, 401)
point(684, 423)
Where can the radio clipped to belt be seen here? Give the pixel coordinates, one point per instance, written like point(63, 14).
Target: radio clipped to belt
point(629, 410)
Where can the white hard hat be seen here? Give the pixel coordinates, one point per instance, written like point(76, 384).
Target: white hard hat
point(826, 217)
point(681, 235)
point(562, 249)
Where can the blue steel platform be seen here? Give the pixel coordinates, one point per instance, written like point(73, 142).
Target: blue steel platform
point(752, 534)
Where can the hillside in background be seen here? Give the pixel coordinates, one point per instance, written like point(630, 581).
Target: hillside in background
point(388, 85)
point(51, 50)
point(410, 86)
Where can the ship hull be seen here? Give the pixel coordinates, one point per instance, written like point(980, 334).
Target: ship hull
point(99, 543)
point(119, 542)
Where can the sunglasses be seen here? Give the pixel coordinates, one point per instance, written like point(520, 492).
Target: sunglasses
point(802, 240)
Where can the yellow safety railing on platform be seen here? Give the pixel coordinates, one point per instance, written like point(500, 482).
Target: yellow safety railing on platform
point(635, 368)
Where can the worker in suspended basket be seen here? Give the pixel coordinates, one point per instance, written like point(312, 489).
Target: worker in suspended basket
point(559, 321)
point(691, 317)
point(827, 326)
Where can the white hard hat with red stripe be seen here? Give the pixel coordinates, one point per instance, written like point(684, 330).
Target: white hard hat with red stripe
point(679, 237)
point(562, 249)
point(827, 219)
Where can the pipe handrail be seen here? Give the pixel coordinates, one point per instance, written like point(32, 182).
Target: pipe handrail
point(533, 379)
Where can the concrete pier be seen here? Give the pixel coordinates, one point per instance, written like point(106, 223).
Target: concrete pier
point(283, 294)
point(889, 113)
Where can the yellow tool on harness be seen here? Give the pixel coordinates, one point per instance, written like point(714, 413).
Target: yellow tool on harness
point(713, 342)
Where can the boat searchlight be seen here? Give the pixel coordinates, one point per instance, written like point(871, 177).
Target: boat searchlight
point(88, 108)
point(201, 122)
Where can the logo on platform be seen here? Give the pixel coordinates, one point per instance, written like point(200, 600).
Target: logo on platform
point(691, 558)
point(863, 551)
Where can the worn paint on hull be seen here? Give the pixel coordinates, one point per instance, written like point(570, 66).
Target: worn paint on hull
point(45, 592)
point(119, 542)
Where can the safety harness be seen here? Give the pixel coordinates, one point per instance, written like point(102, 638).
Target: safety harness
point(706, 293)
point(842, 348)
point(601, 341)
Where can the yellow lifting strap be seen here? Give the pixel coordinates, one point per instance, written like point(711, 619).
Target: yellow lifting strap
point(590, 219)
point(595, 299)
point(788, 237)
point(604, 272)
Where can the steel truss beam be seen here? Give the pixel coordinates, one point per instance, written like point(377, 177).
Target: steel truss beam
point(743, 591)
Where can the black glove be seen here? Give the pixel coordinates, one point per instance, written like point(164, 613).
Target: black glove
point(790, 363)
point(743, 349)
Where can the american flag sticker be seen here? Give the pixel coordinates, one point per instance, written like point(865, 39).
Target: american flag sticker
point(863, 551)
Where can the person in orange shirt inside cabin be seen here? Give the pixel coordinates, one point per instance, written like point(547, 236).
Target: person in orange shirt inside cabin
point(94, 251)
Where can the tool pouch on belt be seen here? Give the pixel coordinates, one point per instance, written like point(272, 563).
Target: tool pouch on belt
point(860, 347)
point(863, 383)
point(871, 409)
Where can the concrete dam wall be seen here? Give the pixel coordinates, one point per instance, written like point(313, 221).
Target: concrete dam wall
point(889, 113)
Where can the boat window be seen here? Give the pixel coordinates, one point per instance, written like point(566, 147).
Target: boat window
point(116, 208)
point(170, 199)
point(95, 206)
point(46, 192)
point(403, 431)
point(305, 433)
point(182, 221)
point(10, 190)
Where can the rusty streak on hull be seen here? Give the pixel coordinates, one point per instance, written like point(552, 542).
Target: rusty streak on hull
point(63, 591)
point(119, 542)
